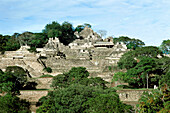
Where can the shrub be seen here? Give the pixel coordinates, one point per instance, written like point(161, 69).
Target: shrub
point(48, 69)
point(46, 76)
point(13, 104)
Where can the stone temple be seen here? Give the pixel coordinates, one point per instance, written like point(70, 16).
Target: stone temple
point(88, 50)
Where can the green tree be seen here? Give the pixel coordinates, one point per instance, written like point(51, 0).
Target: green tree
point(68, 99)
point(163, 65)
point(123, 39)
point(9, 43)
point(135, 43)
point(106, 103)
point(88, 25)
point(19, 73)
point(25, 38)
point(9, 84)
point(1, 72)
point(12, 104)
point(150, 51)
point(12, 80)
point(73, 92)
point(39, 40)
point(12, 43)
point(130, 43)
point(155, 102)
point(76, 99)
point(140, 75)
point(97, 82)
point(79, 28)
point(64, 32)
point(119, 76)
point(128, 59)
point(53, 29)
point(59, 81)
point(48, 69)
point(3, 41)
point(77, 75)
point(165, 46)
point(165, 80)
point(67, 36)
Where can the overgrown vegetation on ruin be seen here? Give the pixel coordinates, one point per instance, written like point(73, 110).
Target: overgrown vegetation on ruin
point(74, 91)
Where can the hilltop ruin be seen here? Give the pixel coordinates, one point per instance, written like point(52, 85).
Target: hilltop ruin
point(88, 50)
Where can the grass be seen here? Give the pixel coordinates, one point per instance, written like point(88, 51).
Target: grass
point(44, 76)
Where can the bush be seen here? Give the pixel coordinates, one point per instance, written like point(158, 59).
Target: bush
point(48, 69)
point(46, 76)
point(13, 104)
point(110, 68)
point(15, 75)
point(77, 98)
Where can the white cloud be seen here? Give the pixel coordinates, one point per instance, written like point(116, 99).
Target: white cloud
point(144, 19)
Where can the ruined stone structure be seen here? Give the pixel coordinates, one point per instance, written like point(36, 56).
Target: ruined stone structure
point(88, 50)
point(22, 58)
point(127, 96)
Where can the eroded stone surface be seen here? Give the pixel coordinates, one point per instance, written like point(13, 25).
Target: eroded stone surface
point(88, 50)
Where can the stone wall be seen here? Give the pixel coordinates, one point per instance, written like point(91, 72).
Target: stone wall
point(22, 58)
point(32, 96)
point(64, 65)
point(43, 83)
point(129, 95)
point(35, 69)
point(62, 58)
point(124, 95)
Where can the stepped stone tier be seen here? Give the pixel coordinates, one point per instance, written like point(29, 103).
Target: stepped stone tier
point(88, 50)
point(22, 58)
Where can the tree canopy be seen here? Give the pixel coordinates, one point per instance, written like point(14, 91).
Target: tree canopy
point(8, 43)
point(130, 43)
point(65, 31)
point(13, 104)
point(129, 59)
point(144, 65)
point(38, 40)
point(74, 92)
point(155, 102)
point(79, 28)
point(137, 76)
point(25, 38)
point(12, 80)
point(165, 46)
point(77, 75)
point(77, 98)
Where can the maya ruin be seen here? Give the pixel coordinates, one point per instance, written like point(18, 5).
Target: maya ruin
point(89, 50)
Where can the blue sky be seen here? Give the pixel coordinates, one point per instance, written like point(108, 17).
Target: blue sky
point(147, 20)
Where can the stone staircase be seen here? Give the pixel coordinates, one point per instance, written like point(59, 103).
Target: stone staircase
point(35, 69)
